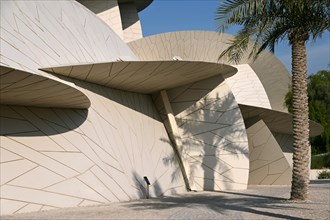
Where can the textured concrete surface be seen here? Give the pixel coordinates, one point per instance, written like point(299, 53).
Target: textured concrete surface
point(206, 46)
point(255, 203)
point(268, 164)
point(56, 158)
point(213, 134)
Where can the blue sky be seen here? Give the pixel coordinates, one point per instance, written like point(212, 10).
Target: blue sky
point(177, 15)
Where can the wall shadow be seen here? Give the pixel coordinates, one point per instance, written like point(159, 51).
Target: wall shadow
point(204, 140)
point(155, 190)
point(39, 121)
point(36, 121)
point(211, 143)
point(203, 90)
point(101, 7)
point(140, 185)
point(138, 102)
point(127, 19)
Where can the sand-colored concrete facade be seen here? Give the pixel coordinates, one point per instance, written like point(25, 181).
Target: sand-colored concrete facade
point(122, 15)
point(85, 116)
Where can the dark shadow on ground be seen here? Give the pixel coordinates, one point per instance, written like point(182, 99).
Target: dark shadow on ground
point(221, 203)
point(321, 181)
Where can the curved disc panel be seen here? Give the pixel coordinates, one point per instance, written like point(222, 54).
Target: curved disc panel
point(207, 46)
point(276, 121)
point(143, 76)
point(24, 88)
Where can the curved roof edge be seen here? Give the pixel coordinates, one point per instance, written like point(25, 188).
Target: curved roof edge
point(206, 46)
point(277, 121)
point(139, 4)
point(28, 89)
point(143, 76)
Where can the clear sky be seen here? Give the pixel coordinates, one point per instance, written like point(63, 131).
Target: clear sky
point(177, 15)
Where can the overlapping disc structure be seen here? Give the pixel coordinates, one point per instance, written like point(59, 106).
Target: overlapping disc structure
point(89, 107)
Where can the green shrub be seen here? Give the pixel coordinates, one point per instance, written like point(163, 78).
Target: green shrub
point(325, 174)
point(320, 161)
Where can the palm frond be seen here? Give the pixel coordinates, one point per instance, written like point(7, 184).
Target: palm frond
point(237, 48)
point(237, 11)
point(267, 22)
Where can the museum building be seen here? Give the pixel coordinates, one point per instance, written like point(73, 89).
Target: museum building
point(90, 109)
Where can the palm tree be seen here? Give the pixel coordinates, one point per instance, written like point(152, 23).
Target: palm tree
point(268, 22)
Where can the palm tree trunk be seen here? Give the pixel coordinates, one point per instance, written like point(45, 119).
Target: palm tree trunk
point(301, 145)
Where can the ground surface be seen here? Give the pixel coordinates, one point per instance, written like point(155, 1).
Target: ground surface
point(254, 203)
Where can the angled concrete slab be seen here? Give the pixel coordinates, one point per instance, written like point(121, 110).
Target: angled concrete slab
point(23, 88)
point(143, 76)
point(276, 121)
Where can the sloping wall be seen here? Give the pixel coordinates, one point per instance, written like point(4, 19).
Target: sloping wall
point(53, 158)
point(108, 11)
point(268, 164)
point(247, 88)
point(214, 140)
point(130, 21)
point(36, 34)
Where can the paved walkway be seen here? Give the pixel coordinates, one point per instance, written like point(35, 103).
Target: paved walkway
point(254, 203)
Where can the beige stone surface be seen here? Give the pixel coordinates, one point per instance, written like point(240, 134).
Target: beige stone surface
point(10, 206)
point(96, 156)
point(206, 46)
point(94, 143)
point(268, 164)
point(278, 122)
point(25, 88)
point(7, 156)
point(144, 76)
point(121, 15)
point(247, 88)
point(210, 123)
point(37, 178)
point(30, 208)
point(51, 34)
point(286, 143)
point(18, 168)
point(108, 11)
point(130, 22)
point(164, 107)
point(37, 197)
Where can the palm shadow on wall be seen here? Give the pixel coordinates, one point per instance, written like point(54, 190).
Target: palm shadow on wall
point(208, 133)
point(140, 186)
